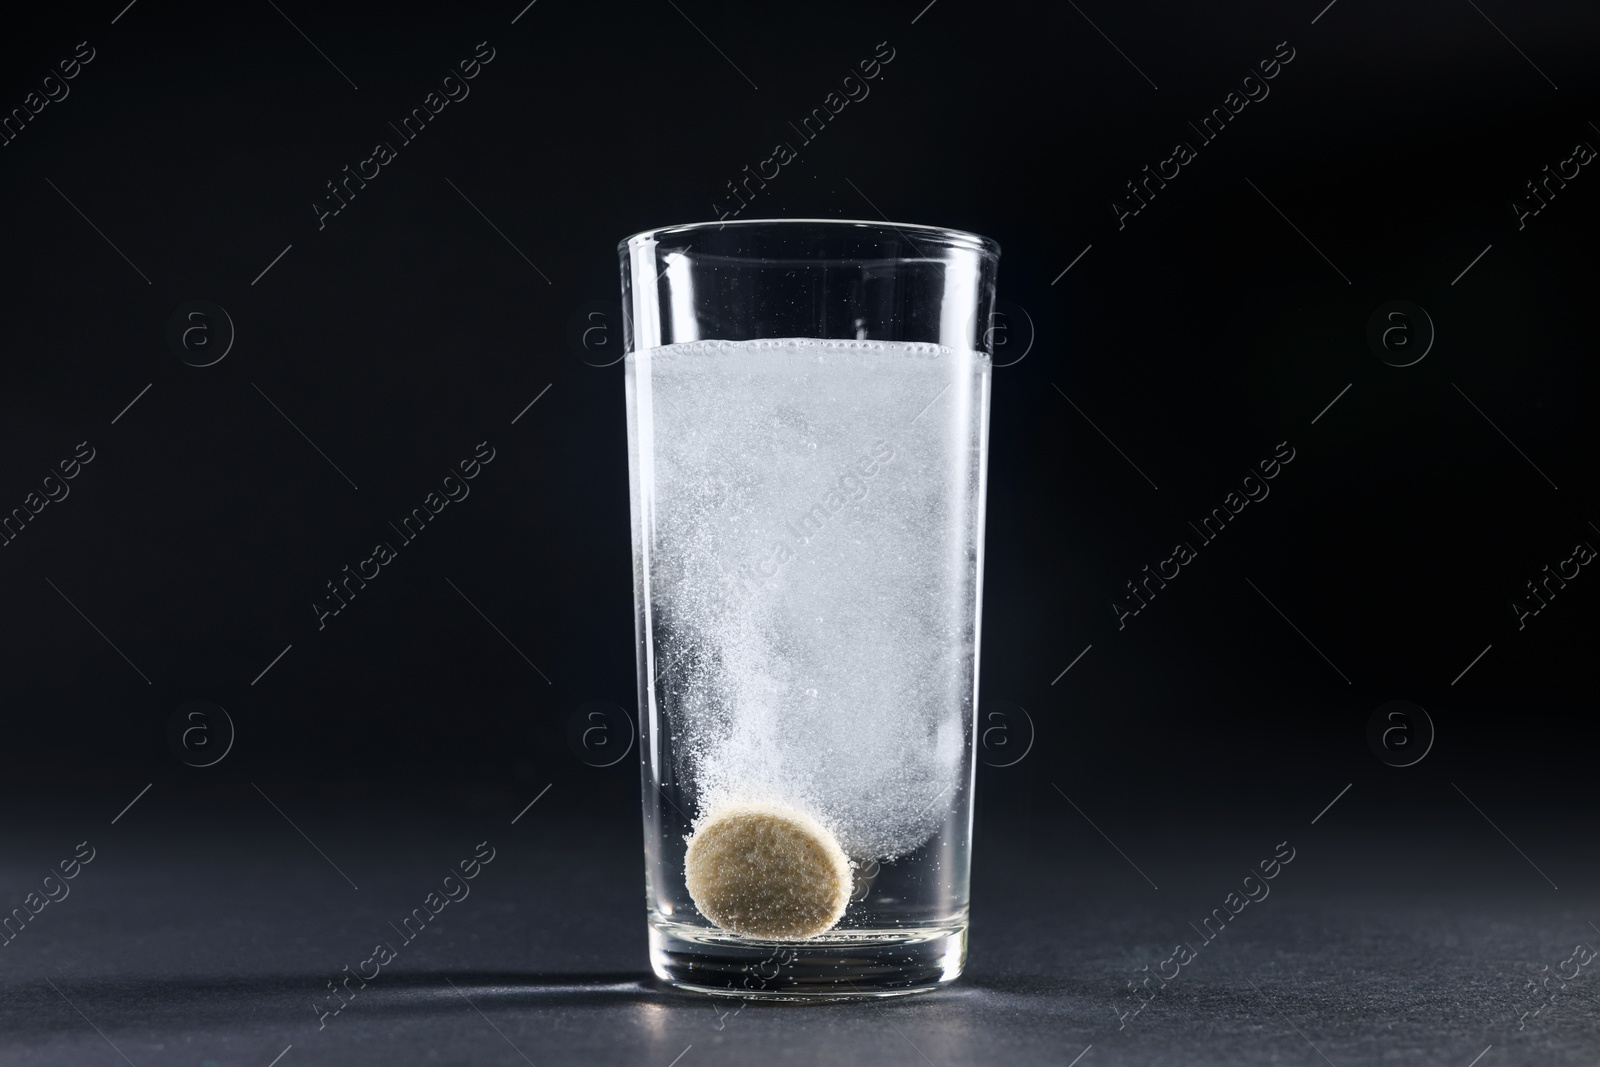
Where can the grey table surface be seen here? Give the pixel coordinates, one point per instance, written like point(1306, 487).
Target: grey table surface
point(207, 937)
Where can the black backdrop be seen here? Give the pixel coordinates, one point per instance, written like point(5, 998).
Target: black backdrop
point(1162, 354)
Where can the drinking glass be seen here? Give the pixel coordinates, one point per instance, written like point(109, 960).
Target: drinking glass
point(808, 409)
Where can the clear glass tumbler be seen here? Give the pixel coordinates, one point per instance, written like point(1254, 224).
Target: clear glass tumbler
point(808, 409)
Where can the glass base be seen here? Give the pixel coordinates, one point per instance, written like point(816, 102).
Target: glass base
point(842, 965)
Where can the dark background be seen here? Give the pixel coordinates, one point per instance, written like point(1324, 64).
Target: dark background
point(426, 316)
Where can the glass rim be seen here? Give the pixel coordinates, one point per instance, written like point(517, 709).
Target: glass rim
point(950, 238)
